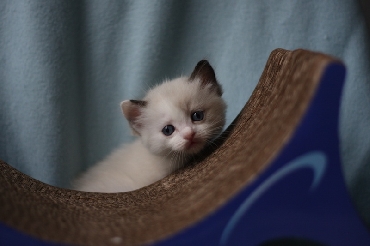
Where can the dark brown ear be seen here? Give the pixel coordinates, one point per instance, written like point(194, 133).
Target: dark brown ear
point(132, 110)
point(206, 74)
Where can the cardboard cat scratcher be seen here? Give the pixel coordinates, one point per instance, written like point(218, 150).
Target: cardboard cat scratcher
point(275, 179)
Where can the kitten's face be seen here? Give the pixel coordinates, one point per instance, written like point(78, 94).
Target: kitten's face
point(179, 116)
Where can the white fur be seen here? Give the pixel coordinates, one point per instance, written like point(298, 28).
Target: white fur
point(154, 155)
point(127, 168)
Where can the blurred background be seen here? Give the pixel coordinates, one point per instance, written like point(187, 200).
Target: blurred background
point(66, 65)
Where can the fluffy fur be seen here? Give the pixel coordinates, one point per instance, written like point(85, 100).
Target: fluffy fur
point(174, 121)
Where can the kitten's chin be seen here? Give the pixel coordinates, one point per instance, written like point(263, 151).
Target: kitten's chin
point(194, 147)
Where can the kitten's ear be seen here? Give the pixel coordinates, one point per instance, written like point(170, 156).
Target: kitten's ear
point(132, 110)
point(206, 74)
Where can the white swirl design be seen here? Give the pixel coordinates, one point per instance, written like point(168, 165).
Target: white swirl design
point(315, 160)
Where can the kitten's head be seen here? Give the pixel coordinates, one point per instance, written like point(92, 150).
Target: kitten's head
point(179, 116)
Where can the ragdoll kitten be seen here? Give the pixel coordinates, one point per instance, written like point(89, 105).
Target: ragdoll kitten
point(173, 122)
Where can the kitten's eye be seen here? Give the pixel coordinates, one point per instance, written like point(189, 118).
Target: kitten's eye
point(168, 130)
point(197, 116)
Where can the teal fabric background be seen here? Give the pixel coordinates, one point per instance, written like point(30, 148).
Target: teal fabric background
point(66, 65)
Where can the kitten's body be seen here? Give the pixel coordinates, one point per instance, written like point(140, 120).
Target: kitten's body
point(128, 168)
point(175, 120)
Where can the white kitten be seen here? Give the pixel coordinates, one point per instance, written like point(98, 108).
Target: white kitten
point(174, 121)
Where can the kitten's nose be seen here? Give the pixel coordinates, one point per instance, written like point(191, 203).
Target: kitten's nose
point(189, 135)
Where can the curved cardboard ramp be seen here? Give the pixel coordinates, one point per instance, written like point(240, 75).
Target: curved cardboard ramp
point(275, 176)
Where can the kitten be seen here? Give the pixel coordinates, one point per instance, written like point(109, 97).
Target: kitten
point(174, 121)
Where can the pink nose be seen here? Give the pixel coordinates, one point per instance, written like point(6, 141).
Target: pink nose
point(189, 135)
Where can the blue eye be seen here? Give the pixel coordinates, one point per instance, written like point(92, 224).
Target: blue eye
point(197, 116)
point(168, 130)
